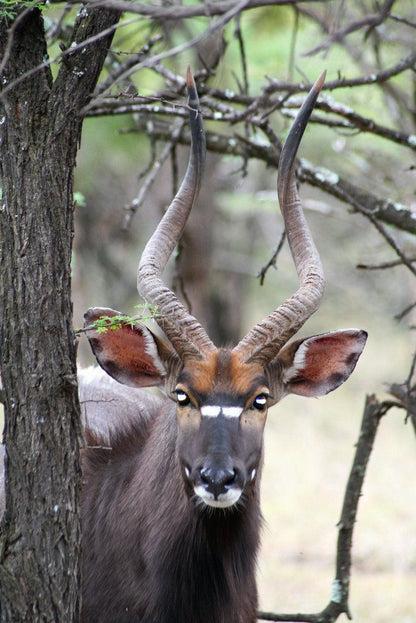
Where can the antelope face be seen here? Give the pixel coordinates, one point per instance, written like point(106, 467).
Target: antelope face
point(221, 399)
point(221, 408)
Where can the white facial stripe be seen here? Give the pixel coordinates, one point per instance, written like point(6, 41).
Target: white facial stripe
point(215, 411)
point(232, 411)
point(210, 411)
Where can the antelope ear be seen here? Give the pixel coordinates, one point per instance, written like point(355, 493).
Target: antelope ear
point(317, 365)
point(126, 351)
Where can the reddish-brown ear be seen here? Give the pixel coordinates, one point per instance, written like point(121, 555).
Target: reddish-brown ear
point(317, 365)
point(126, 351)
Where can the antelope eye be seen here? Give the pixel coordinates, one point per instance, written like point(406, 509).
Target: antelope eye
point(182, 398)
point(260, 402)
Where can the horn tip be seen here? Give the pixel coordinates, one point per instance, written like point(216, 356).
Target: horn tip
point(320, 82)
point(191, 88)
point(190, 82)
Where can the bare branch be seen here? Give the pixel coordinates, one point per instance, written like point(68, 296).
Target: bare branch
point(151, 176)
point(390, 212)
point(374, 78)
point(406, 393)
point(272, 261)
point(370, 21)
point(63, 55)
point(388, 238)
point(179, 11)
point(179, 49)
point(384, 265)
point(384, 210)
point(363, 124)
point(405, 312)
point(132, 61)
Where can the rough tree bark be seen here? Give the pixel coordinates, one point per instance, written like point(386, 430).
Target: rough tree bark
point(40, 134)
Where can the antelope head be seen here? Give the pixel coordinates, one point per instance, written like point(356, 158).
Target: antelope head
point(222, 395)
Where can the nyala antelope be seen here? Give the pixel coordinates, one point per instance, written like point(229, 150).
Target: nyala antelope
point(171, 513)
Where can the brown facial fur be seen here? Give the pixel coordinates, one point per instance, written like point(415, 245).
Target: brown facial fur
point(222, 373)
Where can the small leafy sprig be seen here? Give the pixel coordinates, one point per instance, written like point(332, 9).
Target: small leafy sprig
point(10, 8)
point(114, 323)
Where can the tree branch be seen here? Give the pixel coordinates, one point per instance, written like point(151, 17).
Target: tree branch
point(151, 175)
point(406, 393)
point(179, 11)
point(370, 21)
point(385, 210)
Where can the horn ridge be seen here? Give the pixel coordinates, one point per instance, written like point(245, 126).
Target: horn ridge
point(265, 339)
point(184, 332)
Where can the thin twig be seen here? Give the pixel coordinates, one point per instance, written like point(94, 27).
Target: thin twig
point(179, 49)
point(132, 61)
point(406, 393)
point(272, 261)
point(384, 233)
point(64, 54)
point(370, 21)
point(384, 265)
point(405, 311)
point(151, 176)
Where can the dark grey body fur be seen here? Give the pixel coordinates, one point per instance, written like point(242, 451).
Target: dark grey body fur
point(151, 553)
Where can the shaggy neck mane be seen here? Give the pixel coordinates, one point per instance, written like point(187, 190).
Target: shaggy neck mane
point(198, 563)
point(207, 567)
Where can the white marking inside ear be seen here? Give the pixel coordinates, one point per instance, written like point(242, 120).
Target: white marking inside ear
point(298, 362)
point(151, 349)
point(215, 411)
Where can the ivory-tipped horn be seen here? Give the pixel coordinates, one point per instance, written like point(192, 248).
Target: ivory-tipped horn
point(184, 332)
point(265, 339)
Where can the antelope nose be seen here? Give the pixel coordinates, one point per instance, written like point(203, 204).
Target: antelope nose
point(217, 480)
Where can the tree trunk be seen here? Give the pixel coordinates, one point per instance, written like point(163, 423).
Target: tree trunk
point(40, 129)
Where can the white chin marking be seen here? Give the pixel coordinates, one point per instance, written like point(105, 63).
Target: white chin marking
point(215, 411)
point(224, 500)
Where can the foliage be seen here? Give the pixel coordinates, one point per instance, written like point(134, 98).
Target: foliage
point(114, 323)
point(10, 8)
